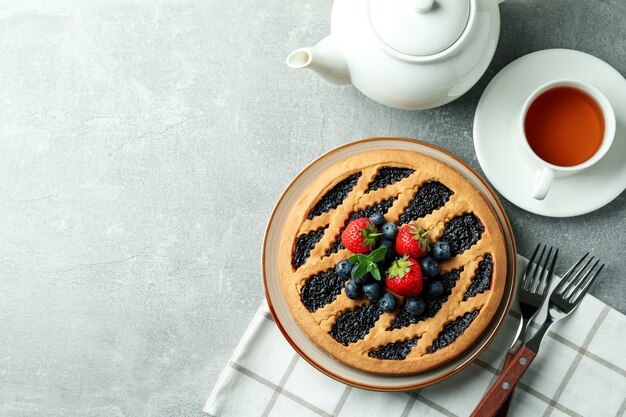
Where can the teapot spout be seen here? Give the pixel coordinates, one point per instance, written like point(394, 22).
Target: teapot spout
point(325, 58)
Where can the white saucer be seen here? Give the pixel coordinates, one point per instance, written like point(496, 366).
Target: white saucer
point(497, 138)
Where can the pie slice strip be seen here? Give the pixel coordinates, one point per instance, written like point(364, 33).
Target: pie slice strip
point(394, 351)
point(462, 232)
point(335, 196)
point(321, 289)
point(387, 176)
point(481, 282)
point(354, 325)
point(452, 331)
point(304, 245)
point(429, 197)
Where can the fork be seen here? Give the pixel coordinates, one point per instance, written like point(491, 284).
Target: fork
point(563, 300)
point(532, 293)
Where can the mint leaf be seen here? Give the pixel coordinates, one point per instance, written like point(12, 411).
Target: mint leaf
point(367, 263)
point(357, 259)
point(360, 270)
point(376, 273)
point(378, 255)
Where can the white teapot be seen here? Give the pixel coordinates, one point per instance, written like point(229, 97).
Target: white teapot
point(407, 54)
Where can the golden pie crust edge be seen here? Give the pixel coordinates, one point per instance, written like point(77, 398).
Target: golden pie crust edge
point(465, 199)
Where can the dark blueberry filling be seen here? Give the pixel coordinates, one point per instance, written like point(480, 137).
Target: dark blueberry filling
point(394, 351)
point(321, 289)
point(481, 282)
point(381, 207)
point(355, 324)
point(304, 245)
point(387, 176)
point(462, 232)
point(433, 303)
point(453, 330)
point(428, 198)
point(335, 196)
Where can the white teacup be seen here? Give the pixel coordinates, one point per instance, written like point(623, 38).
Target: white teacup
point(547, 171)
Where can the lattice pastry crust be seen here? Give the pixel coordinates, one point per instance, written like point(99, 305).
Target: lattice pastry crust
point(427, 345)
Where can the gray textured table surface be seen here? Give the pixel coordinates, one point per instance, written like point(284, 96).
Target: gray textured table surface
point(143, 145)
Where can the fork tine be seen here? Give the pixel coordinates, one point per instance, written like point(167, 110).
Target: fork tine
point(529, 267)
point(587, 283)
point(566, 284)
point(544, 268)
point(546, 280)
point(576, 284)
point(531, 283)
point(532, 258)
point(569, 271)
point(567, 276)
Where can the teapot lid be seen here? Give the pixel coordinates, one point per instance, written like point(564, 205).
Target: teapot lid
point(419, 27)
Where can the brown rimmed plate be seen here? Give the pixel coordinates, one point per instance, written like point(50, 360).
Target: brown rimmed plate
point(297, 338)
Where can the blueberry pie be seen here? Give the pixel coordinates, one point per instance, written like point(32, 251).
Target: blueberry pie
point(393, 337)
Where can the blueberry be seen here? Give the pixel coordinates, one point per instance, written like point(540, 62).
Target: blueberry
point(415, 306)
point(353, 290)
point(343, 268)
point(384, 242)
point(440, 250)
point(363, 279)
point(435, 288)
point(430, 267)
point(372, 291)
point(377, 219)
point(387, 302)
point(389, 230)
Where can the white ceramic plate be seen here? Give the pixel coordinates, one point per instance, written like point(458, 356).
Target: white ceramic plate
point(292, 332)
point(497, 138)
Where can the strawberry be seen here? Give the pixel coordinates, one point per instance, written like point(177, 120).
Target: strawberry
point(360, 235)
point(413, 241)
point(404, 277)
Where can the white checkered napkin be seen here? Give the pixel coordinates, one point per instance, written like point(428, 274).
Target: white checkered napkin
point(580, 371)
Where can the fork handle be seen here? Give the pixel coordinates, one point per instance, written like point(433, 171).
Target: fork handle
point(504, 385)
point(506, 406)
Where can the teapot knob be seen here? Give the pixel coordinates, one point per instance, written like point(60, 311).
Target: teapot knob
point(422, 6)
